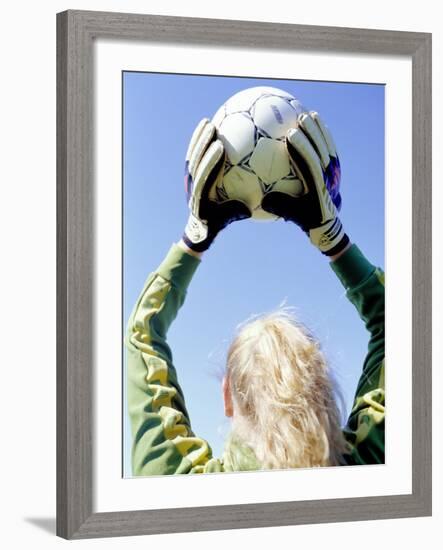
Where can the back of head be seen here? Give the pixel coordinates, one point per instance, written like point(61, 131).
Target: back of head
point(283, 395)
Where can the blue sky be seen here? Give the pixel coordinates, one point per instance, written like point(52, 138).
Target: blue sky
point(252, 267)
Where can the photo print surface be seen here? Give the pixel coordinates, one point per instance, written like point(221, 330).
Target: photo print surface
point(253, 283)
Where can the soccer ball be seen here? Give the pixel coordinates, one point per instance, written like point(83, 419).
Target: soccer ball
point(252, 125)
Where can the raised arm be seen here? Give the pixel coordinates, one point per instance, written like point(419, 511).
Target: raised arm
point(365, 429)
point(315, 161)
point(163, 441)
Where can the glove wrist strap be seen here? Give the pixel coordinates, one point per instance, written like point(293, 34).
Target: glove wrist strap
point(338, 247)
point(330, 237)
point(196, 234)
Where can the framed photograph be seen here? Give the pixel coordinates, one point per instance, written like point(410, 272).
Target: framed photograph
point(214, 377)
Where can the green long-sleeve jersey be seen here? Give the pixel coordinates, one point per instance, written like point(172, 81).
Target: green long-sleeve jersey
point(163, 440)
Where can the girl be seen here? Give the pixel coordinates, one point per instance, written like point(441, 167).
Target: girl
point(276, 387)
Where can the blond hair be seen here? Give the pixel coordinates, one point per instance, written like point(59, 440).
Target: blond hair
point(283, 395)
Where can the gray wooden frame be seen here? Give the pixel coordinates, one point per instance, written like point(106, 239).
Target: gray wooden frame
point(76, 32)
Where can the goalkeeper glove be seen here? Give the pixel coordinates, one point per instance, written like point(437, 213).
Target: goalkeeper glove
point(204, 168)
point(314, 158)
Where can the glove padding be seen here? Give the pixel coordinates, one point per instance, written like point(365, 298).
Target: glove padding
point(314, 158)
point(203, 168)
